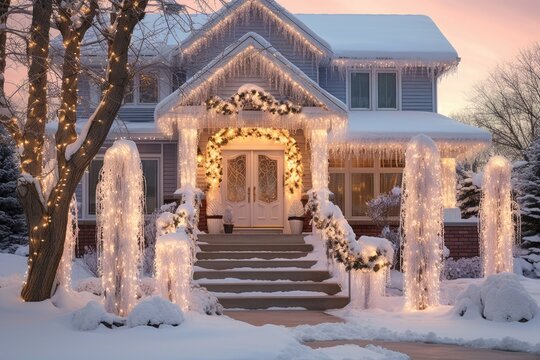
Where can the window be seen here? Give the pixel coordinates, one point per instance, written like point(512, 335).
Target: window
point(151, 175)
point(360, 94)
point(387, 90)
point(337, 186)
point(148, 88)
point(128, 97)
point(362, 190)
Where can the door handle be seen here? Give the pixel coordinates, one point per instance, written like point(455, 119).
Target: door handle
point(249, 194)
point(254, 194)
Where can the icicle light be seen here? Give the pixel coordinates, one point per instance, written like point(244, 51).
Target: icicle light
point(187, 157)
point(496, 225)
point(422, 223)
point(120, 221)
point(319, 159)
point(449, 182)
point(72, 232)
point(174, 267)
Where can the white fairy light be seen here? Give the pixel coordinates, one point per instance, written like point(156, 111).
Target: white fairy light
point(496, 223)
point(422, 223)
point(449, 182)
point(187, 156)
point(319, 159)
point(120, 221)
point(64, 268)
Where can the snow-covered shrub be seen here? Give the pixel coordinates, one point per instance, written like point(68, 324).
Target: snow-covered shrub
point(531, 261)
point(384, 206)
point(92, 315)
point(204, 302)
point(296, 209)
point(155, 311)
point(90, 259)
point(147, 287)
point(462, 268)
point(228, 215)
point(501, 297)
point(376, 253)
point(468, 192)
point(91, 285)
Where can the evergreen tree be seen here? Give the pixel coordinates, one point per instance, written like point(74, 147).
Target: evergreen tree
point(527, 186)
point(468, 193)
point(13, 231)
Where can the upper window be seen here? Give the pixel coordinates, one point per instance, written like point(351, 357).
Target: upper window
point(148, 88)
point(387, 90)
point(360, 94)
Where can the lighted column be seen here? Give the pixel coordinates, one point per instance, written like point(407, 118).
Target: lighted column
point(449, 182)
point(187, 157)
point(319, 159)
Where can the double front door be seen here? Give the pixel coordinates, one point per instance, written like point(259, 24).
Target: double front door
point(253, 186)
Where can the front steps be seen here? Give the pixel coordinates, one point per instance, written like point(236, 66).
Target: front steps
point(264, 271)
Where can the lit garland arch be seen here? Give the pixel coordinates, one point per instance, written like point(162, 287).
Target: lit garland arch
point(293, 159)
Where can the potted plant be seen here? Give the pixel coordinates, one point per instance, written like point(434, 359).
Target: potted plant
point(296, 217)
point(214, 216)
point(228, 224)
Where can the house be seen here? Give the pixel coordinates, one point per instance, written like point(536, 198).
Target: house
point(318, 101)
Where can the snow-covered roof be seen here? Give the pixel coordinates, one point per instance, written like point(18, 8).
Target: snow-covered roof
point(391, 130)
point(399, 37)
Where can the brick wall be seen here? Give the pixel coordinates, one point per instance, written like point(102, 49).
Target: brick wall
point(87, 237)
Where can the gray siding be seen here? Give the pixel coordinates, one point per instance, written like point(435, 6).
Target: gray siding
point(170, 175)
point(136, 113)
point(333, 82)
point(417, 91)
point(255, 23)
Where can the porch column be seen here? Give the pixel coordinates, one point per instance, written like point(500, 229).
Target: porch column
point(449, 182)
point(319, 159)
point(187, 157)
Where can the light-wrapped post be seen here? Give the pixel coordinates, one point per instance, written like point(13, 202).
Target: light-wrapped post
point(319, 159)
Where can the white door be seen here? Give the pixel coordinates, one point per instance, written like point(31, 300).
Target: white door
point(253, 186)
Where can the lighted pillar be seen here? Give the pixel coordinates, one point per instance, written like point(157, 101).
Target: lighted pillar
point(187, 157)
point(449, 182)
point(319, 159)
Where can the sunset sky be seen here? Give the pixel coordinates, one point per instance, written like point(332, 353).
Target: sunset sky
point(484, 32)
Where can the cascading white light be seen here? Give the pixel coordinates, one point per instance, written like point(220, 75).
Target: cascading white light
point(496, 225)
point(72, 232)
point(449, 182)
point(319, 159)
point(422, 223)
point(120, 220)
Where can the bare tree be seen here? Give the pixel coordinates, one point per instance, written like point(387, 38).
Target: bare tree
point(507, 103)
point(46, 209)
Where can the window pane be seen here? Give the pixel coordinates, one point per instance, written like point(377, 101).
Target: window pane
point(128, 97)
point(362, 162)
point(362, 192)
point(148, 88)
point(388, 182)
point(150, 172)
point(360, 90)
point(337, 186)
point(93, 179)
point(387, 93)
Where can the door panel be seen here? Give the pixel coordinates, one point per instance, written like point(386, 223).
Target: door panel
point(236, 185)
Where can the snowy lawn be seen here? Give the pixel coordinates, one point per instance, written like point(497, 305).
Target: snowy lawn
point(43, 331)
point(438, 325)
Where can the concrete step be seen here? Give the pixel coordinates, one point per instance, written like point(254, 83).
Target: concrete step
point(251, 255)
point(265, 302)
point(251, 238)
point(271, 286)
point(256, 264)
point(297, 275)
point(256, 247)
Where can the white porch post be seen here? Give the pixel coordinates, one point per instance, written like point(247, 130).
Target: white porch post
point(319, 159)
point(187, 157)
point(449, 182)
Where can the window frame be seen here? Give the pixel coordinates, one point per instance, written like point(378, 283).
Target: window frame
point(349, 89)
point(86, 185)
point(376, 89)
point(136, 89)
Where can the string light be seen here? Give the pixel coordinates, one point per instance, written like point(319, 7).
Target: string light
point(449, 182)
point(422, 223)
point(72, 232)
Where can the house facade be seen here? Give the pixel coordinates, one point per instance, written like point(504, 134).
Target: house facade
point(257, 106)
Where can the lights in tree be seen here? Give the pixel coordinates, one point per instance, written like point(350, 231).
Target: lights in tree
point(120, 222)
point(422, 223)
point(497, 233)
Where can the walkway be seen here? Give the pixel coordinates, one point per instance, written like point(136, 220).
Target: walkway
point(417, 351)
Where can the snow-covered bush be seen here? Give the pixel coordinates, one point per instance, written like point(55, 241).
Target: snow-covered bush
point(91, 285)
point(501, 297)
point(531, 261)
point(376, 253)
point(155, 311)
point(384, 206)
point(296, 209)
point(462, 268)
point(92, 315)
point(468, 192)
point(204, 302)
point(228, 215)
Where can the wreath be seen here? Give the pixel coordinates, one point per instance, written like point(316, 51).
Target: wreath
point(251, 100)
point(293, 158)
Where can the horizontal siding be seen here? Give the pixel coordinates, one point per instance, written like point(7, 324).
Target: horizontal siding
point(417, 91)
point(334, 82)
point(170, 176)
point(232, 85)
point(136, 114)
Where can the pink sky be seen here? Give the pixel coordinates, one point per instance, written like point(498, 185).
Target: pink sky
point(484, 32)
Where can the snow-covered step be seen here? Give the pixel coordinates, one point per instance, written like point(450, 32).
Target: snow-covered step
point(279, 301)
point(206, 255)
point(251, 239)
point(233, 264)
point(328, 288)
point(258, 274)
point(256, 247)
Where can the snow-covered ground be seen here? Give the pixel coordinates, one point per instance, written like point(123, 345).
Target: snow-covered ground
point(44, 331)
point(438, 325)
